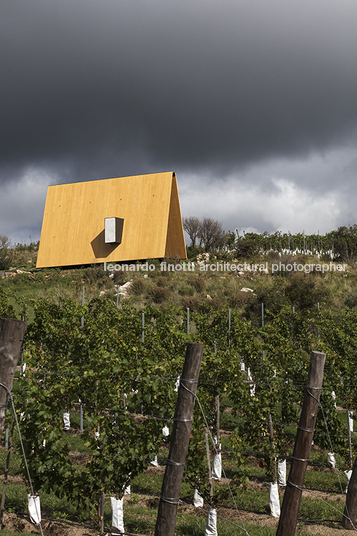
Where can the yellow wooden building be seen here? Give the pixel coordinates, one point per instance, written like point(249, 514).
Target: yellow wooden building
point(112, 220)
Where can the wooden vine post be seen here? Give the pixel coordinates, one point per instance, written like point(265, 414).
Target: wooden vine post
point(209, 471)
point(6, 474)
point(349, 520)
point(349, 416)
point(271, 432)
point(11, 336)
point(303, 441)
point(166, 517)
point(218, 421)
point(218, 412)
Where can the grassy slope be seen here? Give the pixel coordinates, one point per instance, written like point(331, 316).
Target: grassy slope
point(184, 288)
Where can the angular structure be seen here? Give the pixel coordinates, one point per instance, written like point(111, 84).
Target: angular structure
point(112, 220)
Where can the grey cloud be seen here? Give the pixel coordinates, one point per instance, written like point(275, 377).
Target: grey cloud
point(243, 92)
point(102, 86)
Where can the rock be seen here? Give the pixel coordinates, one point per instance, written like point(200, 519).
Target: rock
point(123, 289)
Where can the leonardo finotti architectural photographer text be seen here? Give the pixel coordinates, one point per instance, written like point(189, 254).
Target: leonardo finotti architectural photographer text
point(226, 267)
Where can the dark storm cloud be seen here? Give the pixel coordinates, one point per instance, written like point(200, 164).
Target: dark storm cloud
point(99, 88)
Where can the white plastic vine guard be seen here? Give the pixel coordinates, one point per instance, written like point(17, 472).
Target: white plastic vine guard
point(34, 508)
point(211, 525)
point(217, 463)
point(242, 366)
point(331, 459)
point(66, 422)
point(348, 475)
point(154, 462)
point(274, 502)
point(165, 431)
point(350, 420)
point(197, 499)
point(117, 515)
point(96, 437)
point(333, 394)
point(177, 384)
point(282, 472)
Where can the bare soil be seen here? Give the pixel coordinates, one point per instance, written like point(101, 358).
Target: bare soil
point(21, 524)
point(61, 528)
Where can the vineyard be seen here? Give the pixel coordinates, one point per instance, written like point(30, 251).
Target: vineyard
point(113, 372)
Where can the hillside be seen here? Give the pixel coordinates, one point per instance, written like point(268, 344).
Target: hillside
point(194, 285)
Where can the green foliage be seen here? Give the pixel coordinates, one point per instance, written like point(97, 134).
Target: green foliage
point(96, 360)
point(137, 287)
point(345, 243)
point(5, 258)
point(272, 296)
point(6, 309)
point(198, 283)
point(159, 294)
point(351, 300)
point(252, 244)
point(186, 290)
point(191, 302)
point(95, 353)
point(248, 246)
point(303, 292)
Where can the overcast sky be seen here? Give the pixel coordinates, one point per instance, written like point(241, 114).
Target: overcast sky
point(251, 102)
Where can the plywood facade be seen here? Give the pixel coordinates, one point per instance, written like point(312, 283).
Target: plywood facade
point(73, 223)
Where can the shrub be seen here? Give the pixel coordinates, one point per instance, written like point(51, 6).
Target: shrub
point(159, 294)
point(238, 299)
point(271, 295)
point(198, 283)
point(345, 243)
point(5, 259)
point(6, 310)
point(248, 246)
point(120, 277)
point(137, 287)
point(351, 300)
point(186, 290)
point(191, 302)
point(161, 281)
point(303, 292)
point(216, 303)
